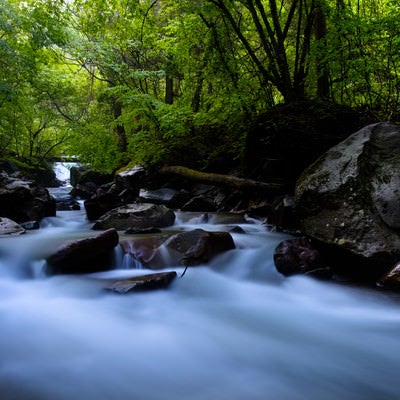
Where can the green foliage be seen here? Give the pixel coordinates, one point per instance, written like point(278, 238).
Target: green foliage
point(178, 82)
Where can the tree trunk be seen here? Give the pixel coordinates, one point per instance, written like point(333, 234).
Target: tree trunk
point(120, 130)
point(320, 31)
point(230, 181)
point(169, 89)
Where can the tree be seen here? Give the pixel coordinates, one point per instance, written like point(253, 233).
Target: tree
point(265, 32)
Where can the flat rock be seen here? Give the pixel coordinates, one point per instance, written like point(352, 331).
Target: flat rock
point(136, 216)
point(155, 281)
point(10, 227)
point(83, 256)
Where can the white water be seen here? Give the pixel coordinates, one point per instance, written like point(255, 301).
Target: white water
point(62, 171)
point(236, 330)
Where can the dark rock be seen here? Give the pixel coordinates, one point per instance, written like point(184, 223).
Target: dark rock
point(282, 215)
point(349, 199)
point(299, 256)
point(260, 209)
point(145, 231)
point(131, 178)
point(8, 167)
point(99, 205)
point(67, 203)
point(84, 190)
point(199, 246)
point(199, 203)
point(30, 225)
point(226, 218)
point(185, 248)
point(391, 279)
point(23, 201)
point(143, 283)
point(84, 256)
point(237, 229)
point(324, 273)
point(137, 216)
point(169, 197)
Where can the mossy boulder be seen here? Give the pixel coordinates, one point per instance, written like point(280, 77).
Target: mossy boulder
point(349, 199)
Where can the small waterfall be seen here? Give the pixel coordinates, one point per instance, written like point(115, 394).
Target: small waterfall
point(62, 171)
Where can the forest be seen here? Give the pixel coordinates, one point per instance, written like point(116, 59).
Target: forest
point(161, 82)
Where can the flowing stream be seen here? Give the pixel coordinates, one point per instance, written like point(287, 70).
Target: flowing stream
point(234, 330)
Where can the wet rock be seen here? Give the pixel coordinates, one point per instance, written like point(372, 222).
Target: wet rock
point(391, 279)
point(227, 218)
point(145, 231)
point(67, 203)
point(237, 229)
point(22, 200)
point(84, 256)
point(143, 283)
point(199, 203)
point(299, 256)
point(282, 215)
point(185, 248)
point(100, 205)
point(84, 190)
point(349, 199)
point(30, 225)
point(131, 178)
point(136, 216)
point(9, 227)
point(169, 197)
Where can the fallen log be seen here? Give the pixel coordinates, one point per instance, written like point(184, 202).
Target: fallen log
point(231, 181)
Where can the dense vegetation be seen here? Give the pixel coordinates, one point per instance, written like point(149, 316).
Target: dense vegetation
point(161, 81)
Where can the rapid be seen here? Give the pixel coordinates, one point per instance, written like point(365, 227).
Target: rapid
point(232, 330)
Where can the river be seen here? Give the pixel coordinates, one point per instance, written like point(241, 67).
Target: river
point(234, 330)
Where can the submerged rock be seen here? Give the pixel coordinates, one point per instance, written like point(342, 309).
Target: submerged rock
point(84, 256)
point(142, 283)
point(349, 199)
point(136, 216)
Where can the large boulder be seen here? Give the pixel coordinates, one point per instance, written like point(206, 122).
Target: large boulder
point(349, 199)
point(101, 204)
point(138, 216)
point(185, 248)
point(300, 256)
point(131, 178)
point(83, 256)
point(22, 200)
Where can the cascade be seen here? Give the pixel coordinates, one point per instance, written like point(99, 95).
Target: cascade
point(235, 329)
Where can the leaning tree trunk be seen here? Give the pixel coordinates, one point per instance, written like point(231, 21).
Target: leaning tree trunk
point(230, 181)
